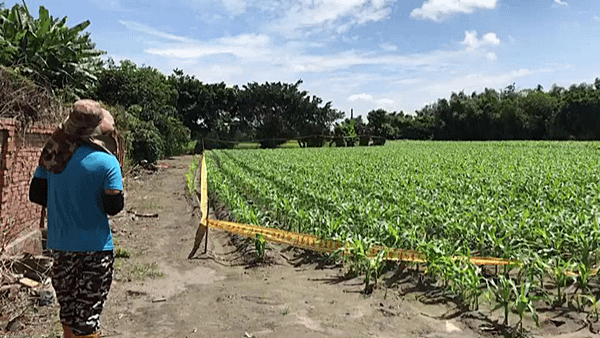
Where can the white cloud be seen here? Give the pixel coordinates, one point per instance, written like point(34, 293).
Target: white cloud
point(343, 28)
point(139, 27)
point(292, 18)
point(385, 102)
point(472, 42)
point(360, 97)
point(561, 3)
point(242, 46)
point(295, 57)
point(363, 79)
point(436, 10)
point(308, 16)
point(367, 98)
point(491, 56)
point(390, 47)
point(596, 18)
point(352, 39)
point(235, 7)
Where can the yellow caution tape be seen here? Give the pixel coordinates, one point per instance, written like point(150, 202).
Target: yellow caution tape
point(315, 243)
point(278, 236)
point(311, 242)
point(575, 274)
point(202, 231)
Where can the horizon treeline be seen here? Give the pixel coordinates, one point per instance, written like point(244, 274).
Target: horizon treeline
point(528, 114)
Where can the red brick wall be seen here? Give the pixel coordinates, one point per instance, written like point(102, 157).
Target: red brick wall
point(18, 159)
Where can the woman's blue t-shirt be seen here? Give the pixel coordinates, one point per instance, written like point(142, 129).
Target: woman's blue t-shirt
point(76, 217)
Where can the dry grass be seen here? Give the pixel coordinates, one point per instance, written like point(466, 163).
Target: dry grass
point(35, 321)
point(20, 305)
point(21, 99)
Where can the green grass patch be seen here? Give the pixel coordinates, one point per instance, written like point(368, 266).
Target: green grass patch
point(129, 272)
point(190, 176)
point(122, 253)
point(188, 148)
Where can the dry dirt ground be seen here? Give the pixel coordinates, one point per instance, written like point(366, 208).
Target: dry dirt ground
point(158, 292)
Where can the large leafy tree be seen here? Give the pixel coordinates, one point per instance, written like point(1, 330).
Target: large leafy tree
point(380, 123)
point(578, 116)
point(277, 111)
point(127, 84)
point(149, 99)
point(267, 108)
point(205, 108)
point(47, 50)
point(313, 120)
point(540, 108)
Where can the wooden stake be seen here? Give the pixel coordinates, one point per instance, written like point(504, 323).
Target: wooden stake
point(200, 233)
point(206, 241)
point(202, 200)
point(43, 218)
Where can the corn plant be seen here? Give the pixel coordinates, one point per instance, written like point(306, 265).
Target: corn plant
point(190, 176)
point(374, 268)
point(559, 273)
point(523, 303)
point(537, 269)
point(470, 279)
point(502, 290)
point(260, 246)
point(594, 314)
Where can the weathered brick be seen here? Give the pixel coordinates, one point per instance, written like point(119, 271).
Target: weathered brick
point(20, 158)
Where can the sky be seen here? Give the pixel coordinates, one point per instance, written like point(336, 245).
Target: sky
point(397, 55)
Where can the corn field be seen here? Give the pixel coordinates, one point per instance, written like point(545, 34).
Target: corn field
point(532, 202)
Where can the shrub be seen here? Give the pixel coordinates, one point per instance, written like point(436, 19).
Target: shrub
point(147, 143)
point(176, 136)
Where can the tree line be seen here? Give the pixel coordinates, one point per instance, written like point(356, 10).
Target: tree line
point(508, 114)
point(159, 115)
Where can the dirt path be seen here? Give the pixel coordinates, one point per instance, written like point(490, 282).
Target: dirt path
point(213, 298)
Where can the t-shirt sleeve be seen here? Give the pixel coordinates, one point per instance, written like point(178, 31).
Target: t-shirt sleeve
point(40, 173)
point(113, 178)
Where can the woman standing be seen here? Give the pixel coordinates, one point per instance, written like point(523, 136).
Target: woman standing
point(79, 180)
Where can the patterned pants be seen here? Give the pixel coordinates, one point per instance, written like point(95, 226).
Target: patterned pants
point(82, 281)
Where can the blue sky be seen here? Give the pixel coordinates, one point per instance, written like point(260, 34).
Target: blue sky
point(360, 54)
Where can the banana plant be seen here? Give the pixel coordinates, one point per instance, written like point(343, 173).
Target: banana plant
point(47, 50)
